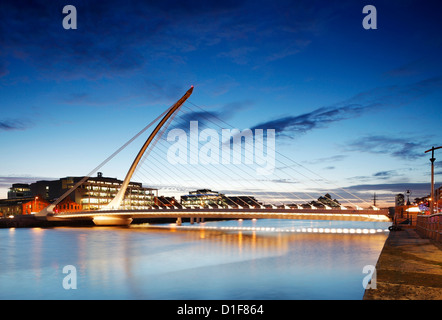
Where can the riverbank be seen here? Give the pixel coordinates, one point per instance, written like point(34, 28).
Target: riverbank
point(409, 268)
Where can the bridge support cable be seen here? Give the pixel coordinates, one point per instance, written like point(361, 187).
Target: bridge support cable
point(241, 173)
point(253, 177)
point(199, 178)
point(212, 171)
point(155, 149)
point(217, 172)
point(324, 179)
point(183, 171)
point(261, 181)
point(49, 209)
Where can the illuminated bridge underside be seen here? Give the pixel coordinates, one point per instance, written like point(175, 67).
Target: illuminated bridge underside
point(304, 214)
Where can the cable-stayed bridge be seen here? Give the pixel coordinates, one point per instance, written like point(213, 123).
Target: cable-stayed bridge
point(235, 156)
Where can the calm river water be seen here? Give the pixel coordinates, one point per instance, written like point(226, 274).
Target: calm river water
point(264, 259)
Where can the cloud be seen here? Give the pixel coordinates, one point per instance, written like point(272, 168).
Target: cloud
point(14, 124)
point(385, 174)
point(7, 181)
point(416, 188)
point(119, 38)
point(428, 64)
point(113, 37)
point(209, 118)
point(402, 148)
point(335, 158)
point(361, 103)
point(318, 118)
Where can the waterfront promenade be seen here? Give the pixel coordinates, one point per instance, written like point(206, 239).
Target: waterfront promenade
point(409, 268)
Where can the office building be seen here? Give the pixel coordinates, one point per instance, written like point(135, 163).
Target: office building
point(93, 194)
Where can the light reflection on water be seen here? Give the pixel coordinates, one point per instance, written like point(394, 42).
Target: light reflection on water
point(141, 262)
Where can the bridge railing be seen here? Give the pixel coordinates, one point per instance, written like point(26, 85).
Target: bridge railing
point(430, 226)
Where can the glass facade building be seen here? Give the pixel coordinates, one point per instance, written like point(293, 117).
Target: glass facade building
point(93, 194)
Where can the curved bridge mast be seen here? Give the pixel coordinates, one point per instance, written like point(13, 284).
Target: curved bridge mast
point(116, 202)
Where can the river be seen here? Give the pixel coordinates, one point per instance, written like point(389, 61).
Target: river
point(263, 259)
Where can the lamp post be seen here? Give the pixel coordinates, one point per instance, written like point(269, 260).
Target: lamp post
point(408, 197)
point(432, 159)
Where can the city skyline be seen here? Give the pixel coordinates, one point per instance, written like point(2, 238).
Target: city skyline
point(358, 107)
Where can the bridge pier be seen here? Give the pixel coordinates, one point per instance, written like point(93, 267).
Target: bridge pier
point(178, 221)
point(196, 219)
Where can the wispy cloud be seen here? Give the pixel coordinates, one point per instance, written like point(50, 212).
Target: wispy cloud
point(215, 119)
point(7, 181)
point(14, 124)
point(116, 38)
point(402, 148)
point(416, 188)
point(385, 174)
point(333, 159)
point(428, 64)
point(105, 44)
point(388, 96)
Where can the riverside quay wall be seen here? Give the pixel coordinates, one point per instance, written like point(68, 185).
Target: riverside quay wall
point(410, 265)
point(430, 227)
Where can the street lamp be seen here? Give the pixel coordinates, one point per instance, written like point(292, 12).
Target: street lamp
point(408, 197)
point(432, 159)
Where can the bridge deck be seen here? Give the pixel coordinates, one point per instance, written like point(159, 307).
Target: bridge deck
point(244, 213)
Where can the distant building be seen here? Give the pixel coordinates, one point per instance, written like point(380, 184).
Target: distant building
point(20, 206)
point(241, 201)
point(207, 198)
point(67, 205)
point(325, 201)
point(93, 194)
point(98, 191)
point(399, 200)
point(166, 202)
point(19, 190)
point(202, 198)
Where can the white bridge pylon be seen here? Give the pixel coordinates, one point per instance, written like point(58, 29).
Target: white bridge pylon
point(116, 202)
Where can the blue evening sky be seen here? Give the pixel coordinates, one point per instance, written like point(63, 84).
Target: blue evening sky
point(357, 107)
